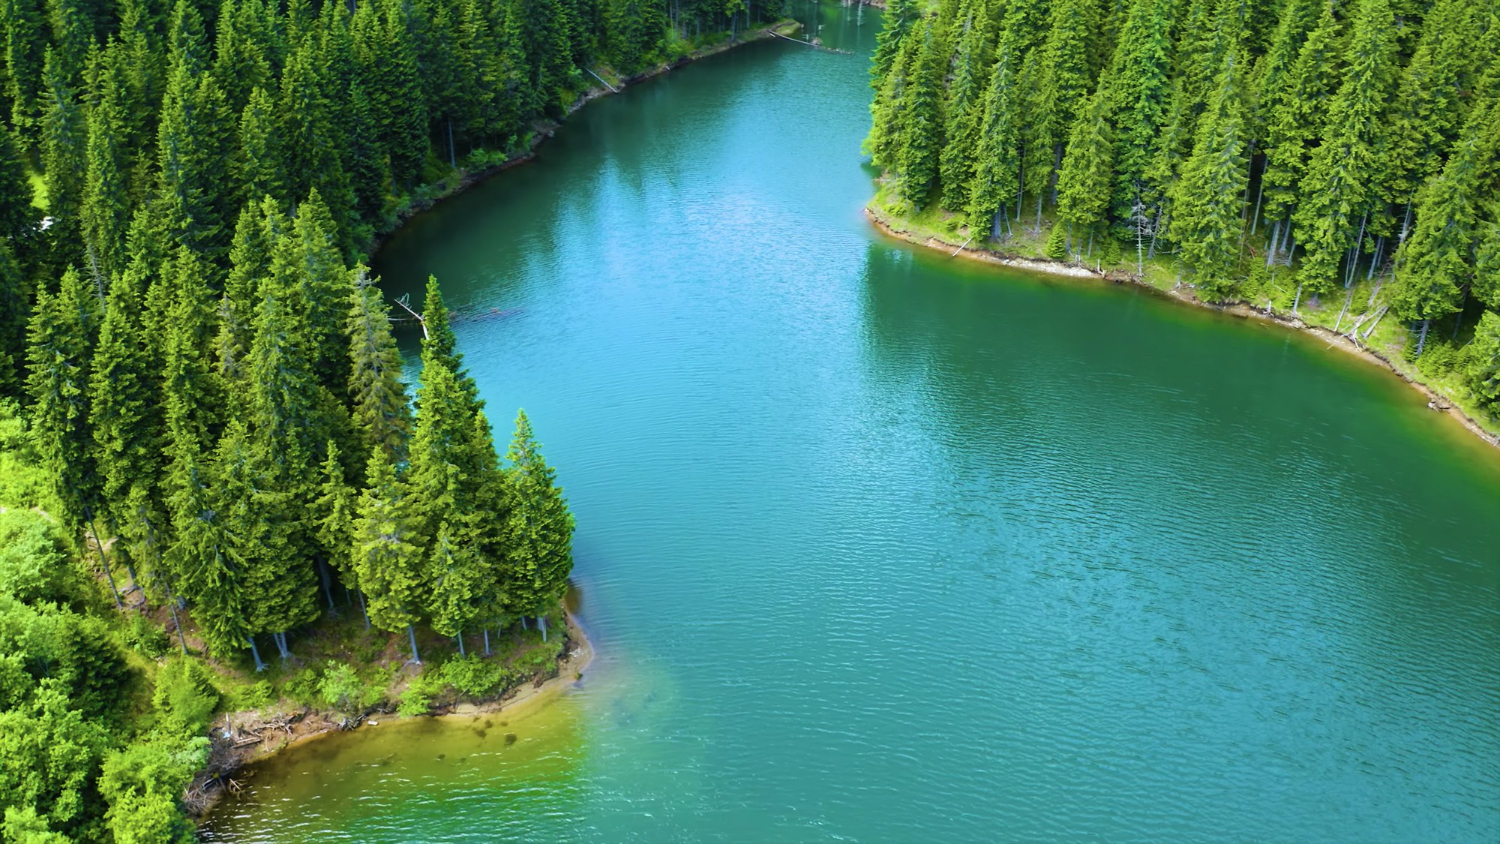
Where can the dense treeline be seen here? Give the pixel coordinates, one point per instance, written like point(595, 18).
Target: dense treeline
point(1248, 137)
point(212, 392)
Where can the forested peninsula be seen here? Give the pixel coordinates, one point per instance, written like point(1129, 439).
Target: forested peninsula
point(216, 493)
point(1334, 162)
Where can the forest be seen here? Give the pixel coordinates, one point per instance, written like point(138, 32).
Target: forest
point(1303, 143)
point(203, 409)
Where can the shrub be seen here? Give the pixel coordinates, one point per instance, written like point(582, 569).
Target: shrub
point(475, 676)
point(185, 695)
point(341, 688)
point(1057, 242)
point(146, 636)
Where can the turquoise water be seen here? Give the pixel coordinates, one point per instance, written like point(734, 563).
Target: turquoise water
point(874, 545)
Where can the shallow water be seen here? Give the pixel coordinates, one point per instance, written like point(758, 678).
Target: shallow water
point(876, 545)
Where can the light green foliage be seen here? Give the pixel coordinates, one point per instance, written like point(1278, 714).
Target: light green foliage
point(1057, 242)
point(340, 687)
point(1482, 362)
point(142, 784)
point(36, 561)
point(185, 696)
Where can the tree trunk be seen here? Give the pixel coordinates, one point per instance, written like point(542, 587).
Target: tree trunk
point(255, 652)
point(1458, 320)
point(1297, 300)
point(327, 583)
point(541, 623)
point(103, 560)
point(280, 638)
point(363, 611)
point(523, 623)
point(1271, 253)
point(452, 156)
point(1422, 338)
point(1259, 193)
point(1040, 195)
point(486, 632)
point(460, 638)
point(176, 622)
point(411, 634)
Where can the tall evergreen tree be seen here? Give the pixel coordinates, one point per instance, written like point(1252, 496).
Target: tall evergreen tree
point(387, 554)
point(998, 175)
point(1336, 192)
point(541, 527)
point(1209, 201)
point(381, 410)
point(59, 352)
point(1088, 167)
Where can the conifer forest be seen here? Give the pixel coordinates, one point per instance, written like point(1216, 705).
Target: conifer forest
point(247, 485)
point(205, 411)
point(1308, 142)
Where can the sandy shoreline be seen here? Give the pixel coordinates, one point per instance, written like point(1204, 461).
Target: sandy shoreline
point(306, 726)
point(1436, 400)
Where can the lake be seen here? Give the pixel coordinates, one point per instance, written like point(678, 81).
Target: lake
point(877, 545)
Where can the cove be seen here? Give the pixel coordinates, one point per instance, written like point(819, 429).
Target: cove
point(875, 545)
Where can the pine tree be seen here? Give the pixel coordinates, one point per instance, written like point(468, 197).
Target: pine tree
point(260, 163)
point(1482, 369)
point(1066, 78)
point(21, 29)
point(900, 15)
point(964, 108)
point(387, 554)
point(335, 513)
point(17, 216)
point(1088, 167)
point(440, 341)
point(1293, 118)
point(15, 313)
point(192, 143)
point(457, 578)
point(59, 350)
point(997, 177)
point(1209, 200)
point(106, 209)
point(1141, 93)
point(127, 427)
point(1435, 262)
point(381, 410)
point(541, 528)
point(921, 121)
point(64, 158)
point(289, 430)
point(1336, 193)
point(205, 554)
point(249, 262)
point(1428, 107)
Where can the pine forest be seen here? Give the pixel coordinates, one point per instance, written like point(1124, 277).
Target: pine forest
point(205, 414)
point(1273, 152)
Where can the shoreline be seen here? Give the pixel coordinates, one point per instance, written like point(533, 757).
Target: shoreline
point(305, 726)
point(1436, 399)
point(462, 180)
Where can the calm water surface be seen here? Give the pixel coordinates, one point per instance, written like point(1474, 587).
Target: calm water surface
point(879, 546)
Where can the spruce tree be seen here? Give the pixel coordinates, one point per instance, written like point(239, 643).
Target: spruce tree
point(541, 527)
point(1209, 200)
point(382, 412)
point(1141, 95)
point(125, 418)
point(17, 216)
point(963, 111)
point(64, 159)
point(388, 557)
point(261, 165)
point(1337, 190)
point(106, 208)
point(1087, 173)
point(997, 177)
point(921, 121)
point(1294, 117)
point(59, 352)
point(205, 553)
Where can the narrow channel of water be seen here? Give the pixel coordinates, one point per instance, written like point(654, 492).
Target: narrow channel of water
point(879, 546)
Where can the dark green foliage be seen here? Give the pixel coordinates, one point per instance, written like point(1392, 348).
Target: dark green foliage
point(36, 560)
point(540, 527)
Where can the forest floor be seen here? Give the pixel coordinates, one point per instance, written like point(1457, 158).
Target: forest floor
point(1382, 339)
